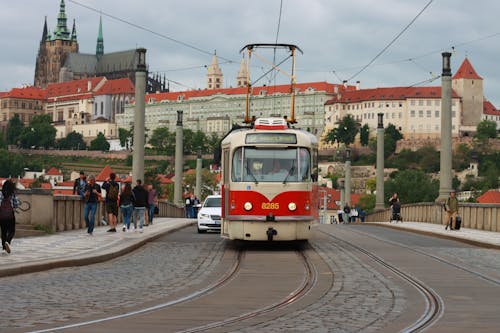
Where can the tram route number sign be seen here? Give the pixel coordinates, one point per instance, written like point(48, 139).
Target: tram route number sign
point(281, 138)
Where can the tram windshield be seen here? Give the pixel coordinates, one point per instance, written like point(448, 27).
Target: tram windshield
point(251, 164)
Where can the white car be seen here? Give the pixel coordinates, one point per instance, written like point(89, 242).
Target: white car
point(209, 215)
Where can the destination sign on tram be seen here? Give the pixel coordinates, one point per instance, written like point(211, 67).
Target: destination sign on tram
point(280, 138)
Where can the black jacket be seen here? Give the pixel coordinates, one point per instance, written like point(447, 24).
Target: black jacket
point(141, 196)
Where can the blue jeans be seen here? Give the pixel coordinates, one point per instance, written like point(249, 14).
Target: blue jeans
point(151, 212)
point(89, 215)
point(127, 214)
point(139, 215)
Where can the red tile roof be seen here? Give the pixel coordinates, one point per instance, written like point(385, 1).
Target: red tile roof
point(26, 93)
point(53, 171)
point(333, 196)
point(164, 180)
point(466, 71)
point(104, 174)
point(490, 197)
point(119, 86)
point(387, 94)
point(256, 91)
point(72, 90)
point(62, 192)
point(490, 109)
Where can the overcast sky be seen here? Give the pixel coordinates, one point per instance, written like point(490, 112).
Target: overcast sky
point(338, 37)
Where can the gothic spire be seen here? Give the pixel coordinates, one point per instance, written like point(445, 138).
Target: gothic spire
point(73, 32)
point(44, 33)
point(61, 31)
point(242, 77)
point(99, 51)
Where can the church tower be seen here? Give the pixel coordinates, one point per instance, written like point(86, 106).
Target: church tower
point(242, 78)
point(214, 74)
point(469, 86)
point(99, 50)
point(54, 49)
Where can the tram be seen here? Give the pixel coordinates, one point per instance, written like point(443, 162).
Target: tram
point(269, 182)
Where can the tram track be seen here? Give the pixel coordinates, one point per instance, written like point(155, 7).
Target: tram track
point(434, 306)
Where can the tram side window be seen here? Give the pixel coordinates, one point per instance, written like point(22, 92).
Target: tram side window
point(304, 164)
point(236, 173)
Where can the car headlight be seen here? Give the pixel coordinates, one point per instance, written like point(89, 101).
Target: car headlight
point(204, 216)
point(292, 206)
point(247, 205)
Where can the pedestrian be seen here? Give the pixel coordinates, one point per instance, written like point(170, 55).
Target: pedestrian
point(340, 212)
point(362, 215)
point(9, 202)
point(354, 214)
point(111, 202)
point(189, 205)
point(347, 212)
point(79, 185)
point(152, 203)
point(196, 206)
point(451, 207)
point(127, 205)
point(140, 204)
point(92, 195)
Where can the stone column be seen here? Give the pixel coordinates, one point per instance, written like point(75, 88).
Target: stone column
point(139, 117)
point(179, 160)
point(348, 176)
point(342, 194)
point(197, 189)
point(379, 198)
point(445, 175)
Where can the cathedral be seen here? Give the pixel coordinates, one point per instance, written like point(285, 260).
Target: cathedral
point(59, 59)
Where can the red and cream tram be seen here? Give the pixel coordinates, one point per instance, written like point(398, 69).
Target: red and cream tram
point(269, 182)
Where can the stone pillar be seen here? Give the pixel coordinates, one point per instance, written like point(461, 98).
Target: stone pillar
point(348, 176)
point(342, 194)
point(139, 117)
point(197, 189)
point(445, 176)
point(179, 160)
point(379, 198)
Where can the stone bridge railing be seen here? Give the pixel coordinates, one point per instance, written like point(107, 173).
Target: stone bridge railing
point(474, 216)
point(60, 213)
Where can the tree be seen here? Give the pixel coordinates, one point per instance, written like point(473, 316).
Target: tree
point(367, 202)
point(486, 129)
point(213, 142)
point(412, 186)
point(39, 133)
point(163, 140)
point(14, 129)
point(200, 142)
point(331, 137)
point(364, 135)
point(72, 141)
point(347, 130)
point(391, 138)
point(99, 143)
point(124, 136)
point(11, 165)
point(207, 178)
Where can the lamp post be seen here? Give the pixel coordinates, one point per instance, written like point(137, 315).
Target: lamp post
point(139, 117)
point(379, 197)
point(323, 214)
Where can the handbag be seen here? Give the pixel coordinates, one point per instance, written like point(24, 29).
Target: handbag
point(156, 210)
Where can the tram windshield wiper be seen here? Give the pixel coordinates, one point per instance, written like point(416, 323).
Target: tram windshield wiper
point(251, 174)
point(292, 170)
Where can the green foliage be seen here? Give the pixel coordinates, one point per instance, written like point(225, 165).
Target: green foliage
point(163, 140)
point(391, 138)
point(461, 157)
point(331, 137)
point(15, 128)
point(207, 178)
point(11, 165)
point(367, 202)
point(486, 129)
point(72, 141)
point(39, 133)
point(412, 186)
point(100, 143)
point(124, 136)
point(347, 130)
point(425, 158)
point(364, 135)
point(213, 142)
point(3, 143)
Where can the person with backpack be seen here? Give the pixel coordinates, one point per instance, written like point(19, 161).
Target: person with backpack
point(111, 202)
point(8, 202)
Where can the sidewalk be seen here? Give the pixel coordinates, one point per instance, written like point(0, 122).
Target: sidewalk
point(489, 239)
point(76, 247)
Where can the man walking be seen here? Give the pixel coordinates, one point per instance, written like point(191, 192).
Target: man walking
point(152, 202)
point(92, 195)
point(112, 192)
point(140, 204)
point(451, 207)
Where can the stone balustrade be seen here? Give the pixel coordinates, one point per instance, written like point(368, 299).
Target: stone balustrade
point(475, 216)
point(60, 213)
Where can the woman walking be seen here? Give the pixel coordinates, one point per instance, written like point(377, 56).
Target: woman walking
point(127, 205)
point(9, 202)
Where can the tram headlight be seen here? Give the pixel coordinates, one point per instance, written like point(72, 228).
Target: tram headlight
point(247, 206)
point(292, 206)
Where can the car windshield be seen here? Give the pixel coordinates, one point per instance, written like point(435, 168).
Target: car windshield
point(213, 202)
point(256, 165)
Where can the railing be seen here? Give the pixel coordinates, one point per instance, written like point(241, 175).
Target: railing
point(474, 216)
point(61, 213)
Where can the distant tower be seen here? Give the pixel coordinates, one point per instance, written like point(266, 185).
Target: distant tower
point(214, 74)
point(99, 50)
point(54, 49)
point(241, 79)
point(469, 86)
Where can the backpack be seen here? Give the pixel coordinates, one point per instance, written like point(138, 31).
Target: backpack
point(6, 210)
point(112, 194)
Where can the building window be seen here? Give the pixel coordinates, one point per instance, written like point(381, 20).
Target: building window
point(420, 113)
point(429, 113)
point(421, 102)
point(95, 109)
point(437, 102)
point(436, 114)
point(429, 102)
